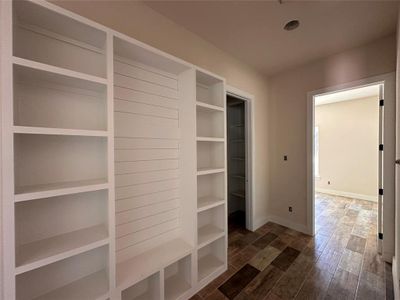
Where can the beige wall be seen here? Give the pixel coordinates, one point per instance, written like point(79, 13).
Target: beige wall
point(139, 21)
point(288, 118)
point(348, 141)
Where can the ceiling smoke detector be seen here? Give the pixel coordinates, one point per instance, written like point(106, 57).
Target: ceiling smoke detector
point(292, 25)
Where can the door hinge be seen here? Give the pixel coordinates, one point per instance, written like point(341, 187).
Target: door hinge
point(380, 147)
point(380, 235)
point(381, 192)
point(381, 102)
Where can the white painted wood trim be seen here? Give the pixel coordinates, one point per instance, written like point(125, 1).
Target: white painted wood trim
point(209, 139)
point(395, 274)
point(209, 171)
point(59, 131)
point(7, 153)
point(209, 106)
point(111, 160)
point(348, 194)
point(250, 152)
point(57, 70)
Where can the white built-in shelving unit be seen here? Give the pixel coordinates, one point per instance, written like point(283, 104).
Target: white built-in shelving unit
point(211, 176)
point(115, 161)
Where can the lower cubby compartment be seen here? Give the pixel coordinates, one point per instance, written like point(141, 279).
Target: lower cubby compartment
point(211, 259)
point(81, 277)
point(53, 228)
point(147, 289)
point(178, 279)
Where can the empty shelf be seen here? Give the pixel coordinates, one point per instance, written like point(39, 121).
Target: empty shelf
point(206, 171)
point(175, 287)
point(57, 70)
point(59, 131)
point(26, 193)
point(241, 194)
point(205, 203)
point(208, 107)
point(141, 266)
point(40, 253)
point(238, 176)
point(208, 265)
point(237, 140)
point(208, 234)
point(209, 139)
point(238, 158)
point(94, 286)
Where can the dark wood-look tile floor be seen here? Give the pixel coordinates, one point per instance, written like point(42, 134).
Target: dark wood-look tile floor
point(278, 263)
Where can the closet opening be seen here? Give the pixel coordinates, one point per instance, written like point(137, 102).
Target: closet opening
point(239, 216)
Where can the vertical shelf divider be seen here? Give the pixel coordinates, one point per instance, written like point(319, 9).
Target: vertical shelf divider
point(110, 162)
point(7, 235)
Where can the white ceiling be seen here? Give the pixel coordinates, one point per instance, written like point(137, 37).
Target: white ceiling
point(347, 95)
point(252, 30)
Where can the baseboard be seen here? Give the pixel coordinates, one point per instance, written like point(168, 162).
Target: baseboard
point(289, 224)
point(395, 279)
point(347, 194)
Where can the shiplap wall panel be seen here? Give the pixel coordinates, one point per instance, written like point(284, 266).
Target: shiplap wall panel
point(136, 125)
point(145, 154)
point(145, 166)
point(142, 73)
point(142, 235)
point(126, 143)
point(147, 188)
point(144, 86)
point(142, 97)
point(149, 199)
point(128, 252)
point(144, 223)
point(146, 116)
point(146, 177)
point(146, 211)
point(145, 109)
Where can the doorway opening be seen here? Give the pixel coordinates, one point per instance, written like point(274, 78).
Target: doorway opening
point(348, 165)
point(238, 163)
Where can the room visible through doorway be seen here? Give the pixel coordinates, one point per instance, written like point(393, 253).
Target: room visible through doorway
point(348, 159)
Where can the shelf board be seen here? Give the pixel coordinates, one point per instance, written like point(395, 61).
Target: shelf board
point(143, 265)
point(237, 140)
point(208, 107)
point(205, 203)
point(208, 234)
point(40, 253)
point(27, 193)
point(208, 265)
point(209, 139)
point(59, 131)
point(175, 287)
point(240, 194)
point(94, 286)
point(57, 70)
point(238, 158)
point(237, 125)
point(206, 171)
point(238, 176)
